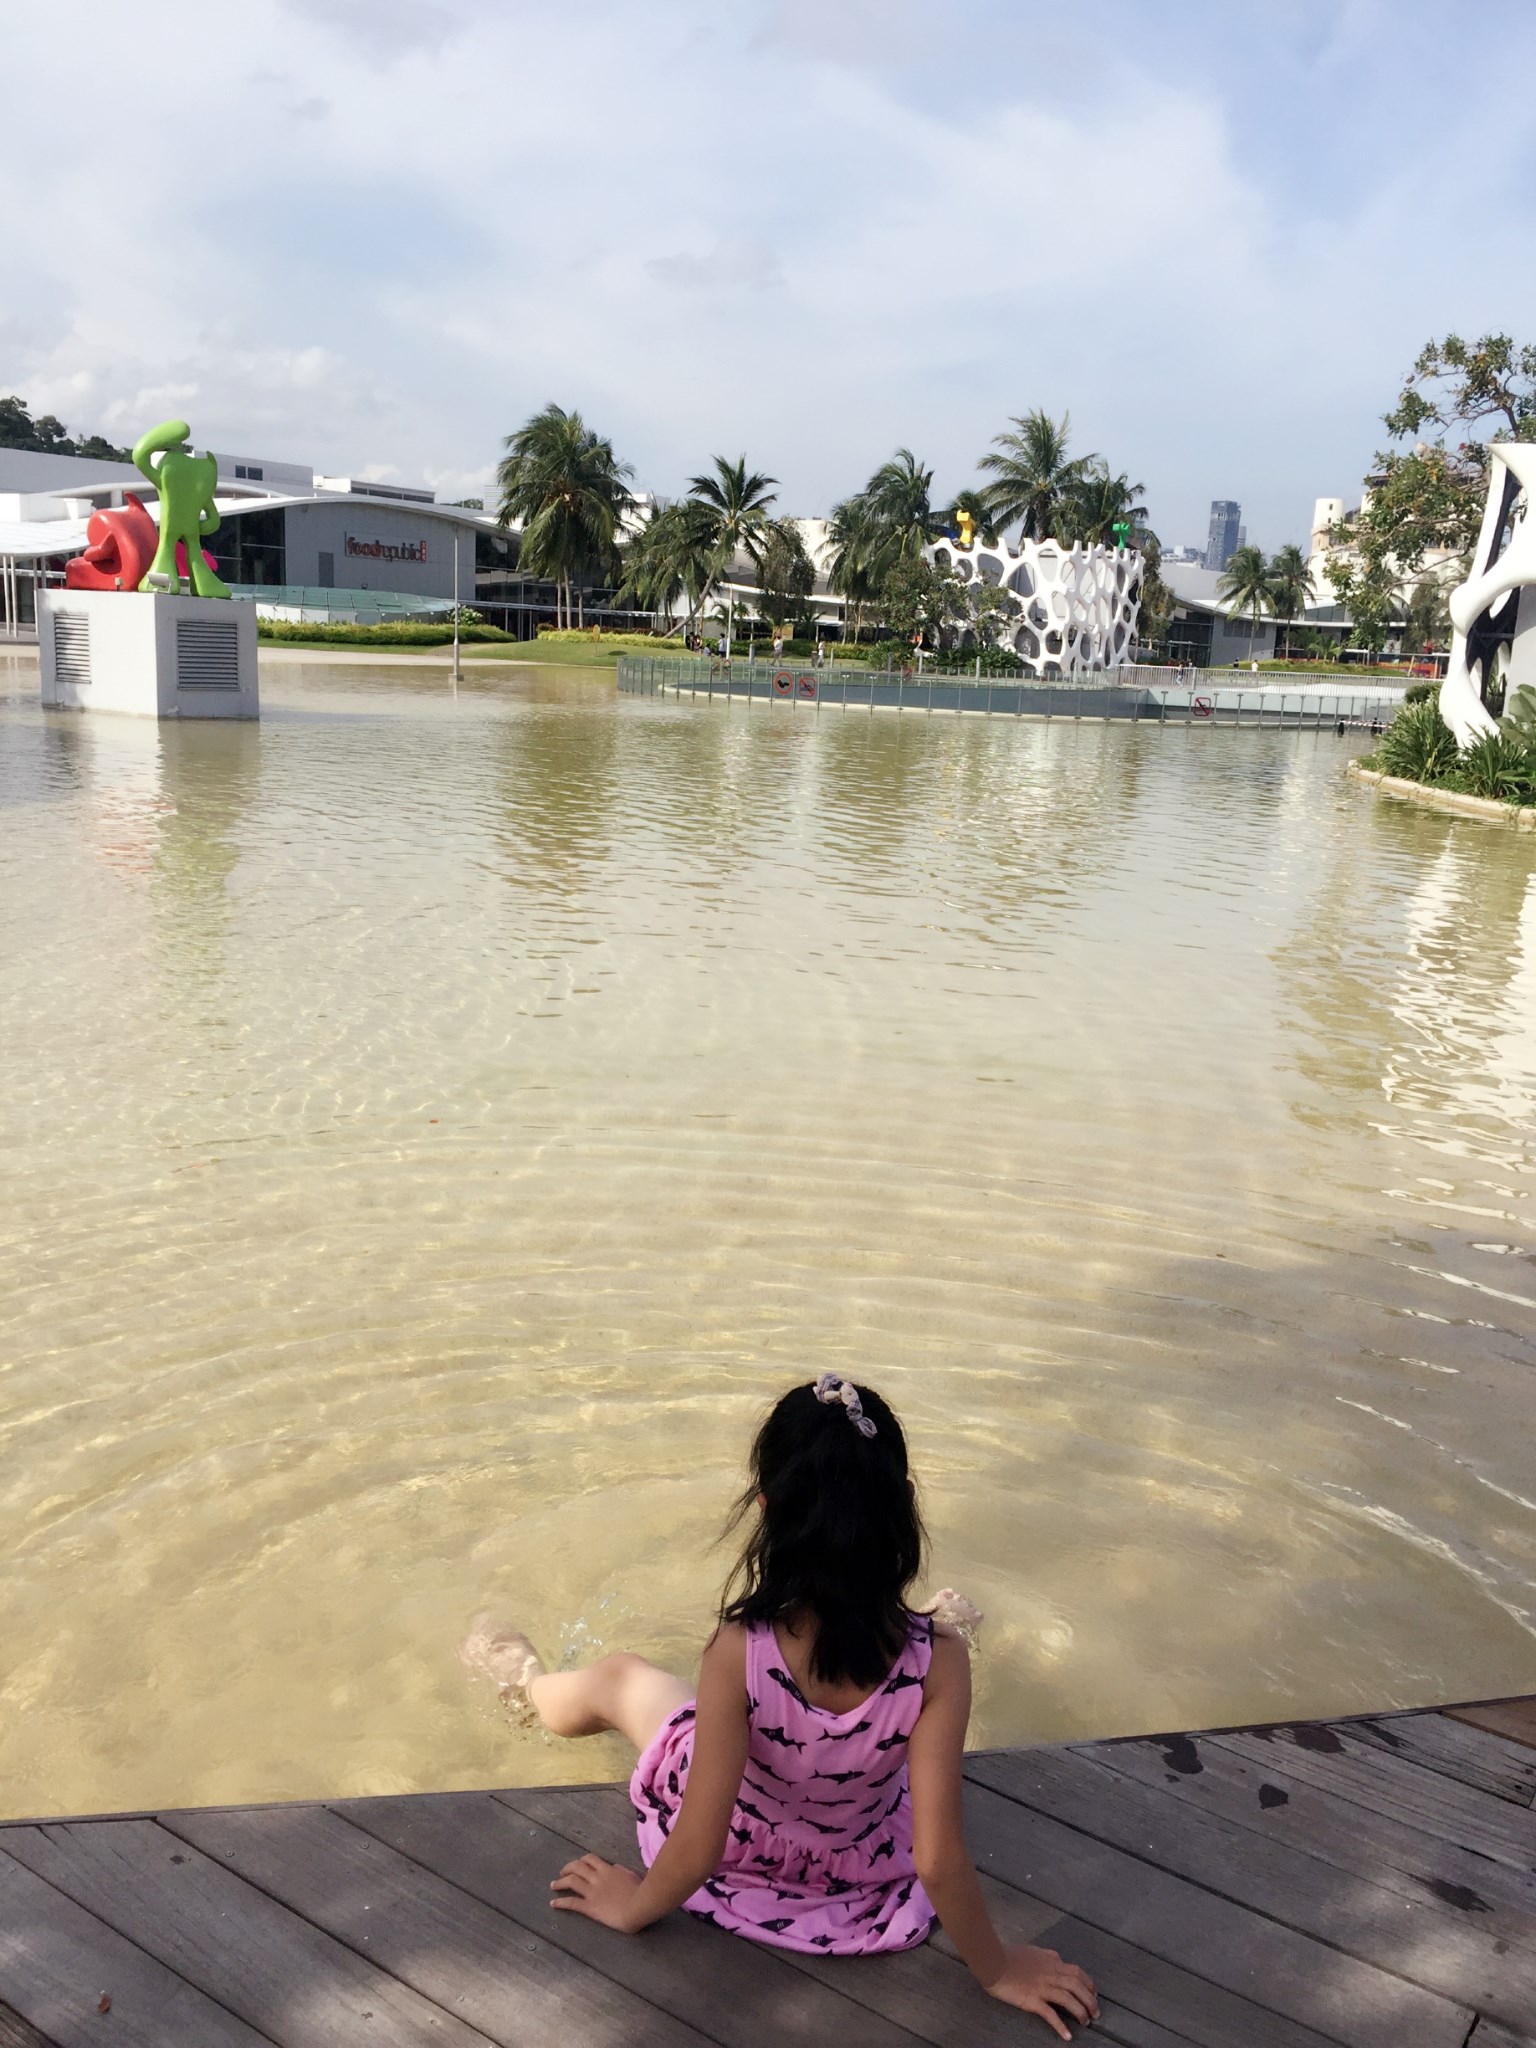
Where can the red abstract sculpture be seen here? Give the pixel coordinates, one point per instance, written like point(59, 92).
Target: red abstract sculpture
point(122, 546)
point(181, 559)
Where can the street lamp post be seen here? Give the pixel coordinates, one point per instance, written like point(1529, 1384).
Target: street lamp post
point(455, 606)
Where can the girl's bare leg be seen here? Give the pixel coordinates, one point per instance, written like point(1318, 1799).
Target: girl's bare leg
point(624, 1692)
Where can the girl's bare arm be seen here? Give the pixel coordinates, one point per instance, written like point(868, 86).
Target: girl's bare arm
point(1034, 1979)
point(613, 1894)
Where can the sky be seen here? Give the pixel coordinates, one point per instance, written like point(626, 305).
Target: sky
point(375, 235)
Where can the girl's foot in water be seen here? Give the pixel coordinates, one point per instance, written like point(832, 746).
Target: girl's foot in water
point(953, 1611)
point(507, 1658)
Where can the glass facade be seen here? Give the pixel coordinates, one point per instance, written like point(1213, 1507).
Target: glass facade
point(251, 547)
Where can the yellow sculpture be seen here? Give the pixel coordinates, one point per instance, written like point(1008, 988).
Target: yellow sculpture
point(967, 526)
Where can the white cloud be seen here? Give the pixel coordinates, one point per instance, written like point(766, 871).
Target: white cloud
point(808, 230)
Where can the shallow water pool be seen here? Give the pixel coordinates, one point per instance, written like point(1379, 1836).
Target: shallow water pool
point(434, 1126)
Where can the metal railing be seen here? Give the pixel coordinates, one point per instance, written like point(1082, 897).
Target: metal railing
point(1117, 694)
point(314, 604)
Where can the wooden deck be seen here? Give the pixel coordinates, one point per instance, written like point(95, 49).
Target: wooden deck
point(1364, 1882)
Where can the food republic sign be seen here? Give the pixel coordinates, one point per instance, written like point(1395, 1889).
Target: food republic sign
point(387, 550)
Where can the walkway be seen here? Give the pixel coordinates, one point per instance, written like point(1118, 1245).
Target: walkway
point(1366, 1882)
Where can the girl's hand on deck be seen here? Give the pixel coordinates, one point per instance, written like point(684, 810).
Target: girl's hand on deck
point(1037, 1980)
point(605, 1892)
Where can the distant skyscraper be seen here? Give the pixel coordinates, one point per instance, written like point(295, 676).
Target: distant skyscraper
point(1225, 534)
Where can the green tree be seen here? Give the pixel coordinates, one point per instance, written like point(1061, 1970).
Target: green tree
point(738, 499)
point(974, 503)
point(891, 520)
point(1454, 384)
point(988, 611)
point(1155, 599)
point(1245, 583)
point(672, 556)
point(854, 539)
point(919, 601)
point(47, 436)
point(569, 490)
point(1428, 621)
point(899, 498)
point(786, 575)
point(1290, 584)
point(1370, 590)
point(1032, 473)
point(1090, 509)
point(1428, 498)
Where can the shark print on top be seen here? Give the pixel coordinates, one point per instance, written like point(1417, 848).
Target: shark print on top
point(819, 1852)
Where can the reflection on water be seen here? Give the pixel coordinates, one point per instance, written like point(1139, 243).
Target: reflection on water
point(434, 1127)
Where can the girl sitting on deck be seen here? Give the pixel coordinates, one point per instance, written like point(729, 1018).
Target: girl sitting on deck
point(808, 1793)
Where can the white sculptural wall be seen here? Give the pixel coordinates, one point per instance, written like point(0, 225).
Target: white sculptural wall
point(1493, 614)
point(1075, 607)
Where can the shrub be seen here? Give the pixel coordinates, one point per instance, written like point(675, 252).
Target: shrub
point(995, 661)
point(1519, 718)
point(626, 643)
point(342, 633)
point(1499, 766)
point(1418, 745)
point(1421, 692)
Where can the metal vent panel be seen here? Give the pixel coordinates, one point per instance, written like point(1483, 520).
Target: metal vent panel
point(207, 655)
point(72, 649)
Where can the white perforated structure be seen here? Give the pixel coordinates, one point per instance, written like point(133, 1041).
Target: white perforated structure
point(1075, 608)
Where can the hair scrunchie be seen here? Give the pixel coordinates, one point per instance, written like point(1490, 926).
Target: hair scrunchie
point(831, 1388)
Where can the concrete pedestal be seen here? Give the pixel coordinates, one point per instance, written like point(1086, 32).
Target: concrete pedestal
point(155, 656)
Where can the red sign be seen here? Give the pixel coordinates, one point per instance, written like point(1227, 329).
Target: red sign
point(388, 550)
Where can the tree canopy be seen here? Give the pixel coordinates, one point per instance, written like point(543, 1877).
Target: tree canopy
point(569, 491)
point(1245, 583)
point(785, 574)
point(48, 436)
point(1032, 474)
point(1428, 498)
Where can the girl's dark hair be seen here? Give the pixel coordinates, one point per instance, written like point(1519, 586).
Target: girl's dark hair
point(838, 1540)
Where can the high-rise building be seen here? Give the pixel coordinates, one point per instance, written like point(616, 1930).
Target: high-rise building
point(1223, 541)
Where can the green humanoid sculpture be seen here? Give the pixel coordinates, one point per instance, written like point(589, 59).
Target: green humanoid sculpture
point(187, 512)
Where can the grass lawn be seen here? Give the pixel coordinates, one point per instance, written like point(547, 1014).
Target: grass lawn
point(567, 650)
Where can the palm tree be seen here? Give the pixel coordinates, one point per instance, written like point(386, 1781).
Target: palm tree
point(1290, 584)
point(1093, 507)
point(1245, 584)
point(739, 499)
point(889, 522)
point(567, 488)
point(672, 556)
point(1032, 473)
point(854, 540)
point(974, 505)
point(899, 500)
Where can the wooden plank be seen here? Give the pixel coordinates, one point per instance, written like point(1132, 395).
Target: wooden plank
point(1418, 1939)
point(1269, 1799)
point(1515, 1720)
point(57, 1962)
point(1472, 1756)
point(1136, 1989)
point(1489, 2034)
point(930, 1995)
point(287, 1979)
point(506, 1981)
point(1337, 1995)
point(735, 1992)
point(1384, 1783)
point(15, 2032)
